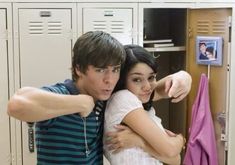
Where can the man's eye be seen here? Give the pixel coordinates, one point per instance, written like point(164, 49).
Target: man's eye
point(116, 70)
point(100, 70)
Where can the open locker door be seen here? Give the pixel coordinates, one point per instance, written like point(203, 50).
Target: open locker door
point(216, 23)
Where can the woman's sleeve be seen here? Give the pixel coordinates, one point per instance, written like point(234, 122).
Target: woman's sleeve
point(120, 104)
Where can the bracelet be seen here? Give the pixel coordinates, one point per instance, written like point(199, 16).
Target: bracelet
point(184, 143)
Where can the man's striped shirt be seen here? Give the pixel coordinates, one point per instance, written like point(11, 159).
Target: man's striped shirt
point(70, 139)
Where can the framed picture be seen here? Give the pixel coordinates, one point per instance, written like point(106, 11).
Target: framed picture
point(209, 50)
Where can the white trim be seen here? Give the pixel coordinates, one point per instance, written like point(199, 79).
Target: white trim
point(10, 81)
point(231, 116)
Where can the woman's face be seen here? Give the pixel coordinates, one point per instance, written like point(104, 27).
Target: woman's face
point(209, 54)
point(140, 81)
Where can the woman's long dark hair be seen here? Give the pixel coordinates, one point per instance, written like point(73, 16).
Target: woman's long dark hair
point(136, 54)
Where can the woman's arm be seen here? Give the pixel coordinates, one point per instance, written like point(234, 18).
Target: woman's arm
point(175, 160)
point(175, 86)
point(166, 146)
point(124, 138)
point(33, 104)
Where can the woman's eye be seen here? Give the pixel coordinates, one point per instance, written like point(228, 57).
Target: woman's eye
point(151, 78)
point(137, 80)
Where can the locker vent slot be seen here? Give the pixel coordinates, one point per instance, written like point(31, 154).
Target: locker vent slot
point(203, 26)
point(214, 27)
point(99, 25)
point(117, 26)
point(54, 27)
point(35, 27)
point(218, 27)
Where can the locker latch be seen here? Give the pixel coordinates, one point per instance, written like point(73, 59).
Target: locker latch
point(221, 117)
point(30, 137)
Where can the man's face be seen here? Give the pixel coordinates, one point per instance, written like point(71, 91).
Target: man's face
point(203, 48)
point(98, 82)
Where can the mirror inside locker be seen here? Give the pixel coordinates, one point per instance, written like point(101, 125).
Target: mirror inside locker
point(165, 37)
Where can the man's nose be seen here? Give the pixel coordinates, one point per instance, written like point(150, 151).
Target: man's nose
point(109, 77)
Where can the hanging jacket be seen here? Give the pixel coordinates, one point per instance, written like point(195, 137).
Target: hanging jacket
point(201, 146)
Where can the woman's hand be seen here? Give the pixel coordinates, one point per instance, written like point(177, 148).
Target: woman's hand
point(178, 85)
point(175, 86)
point(170, 133)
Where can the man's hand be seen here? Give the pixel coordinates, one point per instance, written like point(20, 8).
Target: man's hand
point(178, 85)
point(123, 138)
point(88, 104)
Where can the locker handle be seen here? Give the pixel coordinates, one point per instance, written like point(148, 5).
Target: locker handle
point(108, 13)
point(45, 13)
point(31, 137)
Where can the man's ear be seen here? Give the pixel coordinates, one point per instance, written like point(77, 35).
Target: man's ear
point(78, 72)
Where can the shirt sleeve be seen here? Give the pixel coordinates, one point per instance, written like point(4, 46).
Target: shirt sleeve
point(119, 105)
point(47, 122)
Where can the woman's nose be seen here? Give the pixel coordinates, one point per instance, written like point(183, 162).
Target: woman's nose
point(146, 85)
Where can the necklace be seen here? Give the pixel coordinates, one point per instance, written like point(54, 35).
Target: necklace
point(97, 112)
point(85, 137)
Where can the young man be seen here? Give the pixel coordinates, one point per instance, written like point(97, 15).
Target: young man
point(202, 48)
point(69, 126)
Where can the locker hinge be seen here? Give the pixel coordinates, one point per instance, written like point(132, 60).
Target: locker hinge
point(71, 33)
point(133, 33)
point(190, 32)
point(4, 35)
point(230, 21)
point(228, 67)
point(10, 158)
point(229, 28)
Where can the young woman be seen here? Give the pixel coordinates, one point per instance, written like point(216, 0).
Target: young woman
point(131, 105)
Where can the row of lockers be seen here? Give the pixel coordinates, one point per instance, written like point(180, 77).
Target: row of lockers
point(42, 36)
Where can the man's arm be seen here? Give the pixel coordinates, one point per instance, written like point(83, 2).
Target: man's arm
point(33, 104)
point(175, 86)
